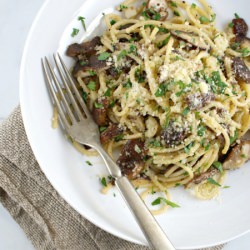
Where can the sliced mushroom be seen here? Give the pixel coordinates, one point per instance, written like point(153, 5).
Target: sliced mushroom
point(131, 158)
point(91, 63)
point(86, 48)
point(191, 38)
point(159, 6)
point(242, 72)
point(110, 133)
point(199, 100)
point(240, 27)
point(100, 114)
point(174, 134)
point(238, 155)
point(203, 176)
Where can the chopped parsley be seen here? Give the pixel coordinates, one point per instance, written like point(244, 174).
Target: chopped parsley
point(132, 49)
point(235, 137)
point(74, 32)
point(119, 137)
point(102, 129)
point(173, 4)
point(91, 85)
point(188, 147)
point(161, 91)
point(218, 165)
point(244, 52)
point(139, 76)
point(204, 19)
point(201, 130)
point(103, 181)
point(122, 54)
point(176, 13)
point(103, 56)
point(112, 104)
point(163, 30)
point(212, 181)
point(112, 22)
point(92, 72)
point(236, 15)
point(167, 202)
point(185, 111)
point(164, 42)
point(155, 143)
point(205, 144)
point(230, 25)
point(89, 163)
point(123, 7)
point(80, 18)
point(84, 96)
point(98, 105)
point(83, 63)
point(107, 93)
point(151, 14)
point(193, 5)
point(127, 85)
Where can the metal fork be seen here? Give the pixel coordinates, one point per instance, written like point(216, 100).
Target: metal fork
point(81, 127)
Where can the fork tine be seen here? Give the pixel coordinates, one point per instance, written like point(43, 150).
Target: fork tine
point(69, 91)
point(79, 98)
point(54, 96)
point(59, 89)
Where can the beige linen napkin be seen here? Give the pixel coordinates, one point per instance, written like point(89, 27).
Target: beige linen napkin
point(48, 221)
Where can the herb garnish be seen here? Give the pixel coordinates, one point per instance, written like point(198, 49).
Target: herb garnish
point(80, 18)
point(107, 93)
point(212, 181)
point(84, 96)
point(173, 4)
point(103, 181)
point(164, 42)
point(122, 54)
point(155, 143)
point(123, 7)
point(161, 91)
point(112, 22)
point(74, 32)
point(176, 13)
point(89, 163)
point(161, 199)
point(98, 105)
point(234, 138)
point(91, 85)
point(92, 72)
point(102, 129)
point(218, 165)
point(236, 15)
point(127, 85)
point(185, 111)
point(201, 130)
point(188, 147)
point(118, 137)
point(103, 56)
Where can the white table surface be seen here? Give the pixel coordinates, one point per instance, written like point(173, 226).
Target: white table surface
point(15, 20)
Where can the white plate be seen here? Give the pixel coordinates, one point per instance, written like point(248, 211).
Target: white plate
point(196, 224)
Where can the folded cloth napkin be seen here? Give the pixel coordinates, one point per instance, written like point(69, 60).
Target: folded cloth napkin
point(48, 221)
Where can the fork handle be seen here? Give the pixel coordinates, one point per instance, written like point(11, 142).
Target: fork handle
point(151, 229)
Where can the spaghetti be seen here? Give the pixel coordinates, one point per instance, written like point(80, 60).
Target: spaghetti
point(161, 79)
